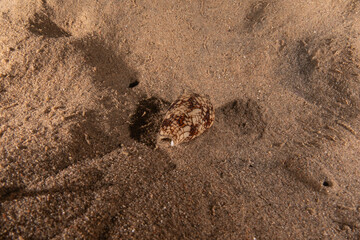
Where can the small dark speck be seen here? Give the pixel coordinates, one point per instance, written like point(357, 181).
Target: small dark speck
point(327, 184)
point(172, 166)
point(134, 84)
point(22, 147)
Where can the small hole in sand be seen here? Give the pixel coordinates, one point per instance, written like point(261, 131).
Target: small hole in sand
point(166, 140)
point(327, 184)
point(134, 84)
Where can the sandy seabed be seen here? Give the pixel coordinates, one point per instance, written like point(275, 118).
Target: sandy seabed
point(84, 85)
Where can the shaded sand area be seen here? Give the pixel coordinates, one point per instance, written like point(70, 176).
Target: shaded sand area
point(84, 85)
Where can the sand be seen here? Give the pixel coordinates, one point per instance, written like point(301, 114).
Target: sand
point(84, 85)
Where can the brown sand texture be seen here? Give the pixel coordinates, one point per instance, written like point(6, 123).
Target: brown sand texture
point(83, 88)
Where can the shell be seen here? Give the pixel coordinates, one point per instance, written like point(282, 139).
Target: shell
point(188, 117)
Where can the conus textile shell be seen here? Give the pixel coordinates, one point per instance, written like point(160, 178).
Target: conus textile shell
point(188, 117)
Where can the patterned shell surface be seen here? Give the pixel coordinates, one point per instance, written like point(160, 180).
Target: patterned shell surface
point(188, 117)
